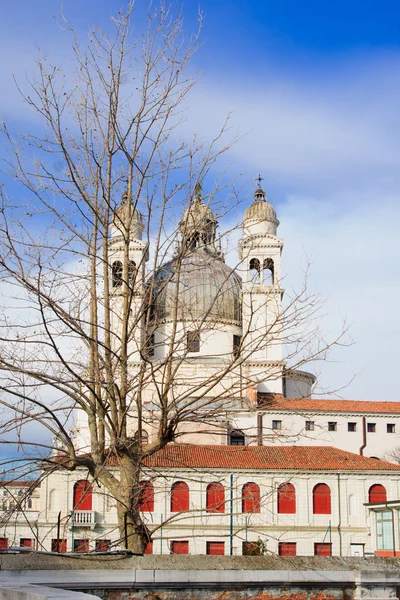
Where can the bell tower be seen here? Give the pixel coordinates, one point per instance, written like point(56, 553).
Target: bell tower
point(128, 254)
point(260, 252)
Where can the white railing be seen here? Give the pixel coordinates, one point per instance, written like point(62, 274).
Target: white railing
point(84, 518)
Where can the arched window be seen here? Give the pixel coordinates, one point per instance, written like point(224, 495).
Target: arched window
point(145, 437)
point(254, 270)
point(82, 495)
point(286, 499)
point(215, 498)
point(117, 273)
point(352, 505)
point(179, 497)
point(321, 499)
point(236, 438)
point(251, 501)
point(377, 493)
point(146, 496)
point(268, 272)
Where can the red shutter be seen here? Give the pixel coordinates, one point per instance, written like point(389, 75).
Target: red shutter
point(81, 545)
point(286, 499)
point(377, 493)
point(103, 545)
point(149, 548)
point(26, 543)
point(251, 498)
point(287, 548)
point(146, 497)
point(215, 499)
point(321, 499)
point(179, 497)
point(216, 548)
point(322, 549)
point(179, 547)
point(83, 495)
point(3, 544)
point(58, 545)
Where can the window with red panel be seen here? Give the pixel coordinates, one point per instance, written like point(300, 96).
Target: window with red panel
point(287, 549)
point(179, 547)
point(321, 499)
point(3, 544)
point(148, 548)
point(215, 498)
point(146, 497)
point(216, 548)
point(377, 493)
point(103, 545)
point(58, 545)
point(286, 499)
point(251, 501)
point(179, 497)
point(82, 495)
point(322, 549)
point(81, 545)
point(26, 543)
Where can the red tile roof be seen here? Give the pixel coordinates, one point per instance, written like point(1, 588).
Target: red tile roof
point(267, 458)
point(336, 406)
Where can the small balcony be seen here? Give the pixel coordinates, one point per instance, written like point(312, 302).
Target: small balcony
point(84, 518)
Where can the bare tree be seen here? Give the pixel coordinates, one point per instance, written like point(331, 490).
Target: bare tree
point(85, 326)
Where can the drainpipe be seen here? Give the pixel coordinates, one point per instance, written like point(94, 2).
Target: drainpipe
point(259, 429)
point(364, 435)
point(339, 527)
point(231, 518)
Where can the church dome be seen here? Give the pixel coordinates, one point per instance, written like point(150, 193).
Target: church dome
point(261, 209)
point(200, 286)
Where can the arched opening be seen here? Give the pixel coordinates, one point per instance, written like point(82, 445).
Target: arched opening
point(146, 496)
point(352, 505)
point(117, 273)
point(179, 497)
point(268, 272)
point(251, 501)
point(377, 493)
point(215, 498)
point(321, 499)
point(144, 437)
point(236, 438)
point(254, 270)
point(82, 495)
point(286, 499)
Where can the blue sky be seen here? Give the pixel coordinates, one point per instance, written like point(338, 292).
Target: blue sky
point(314, 89)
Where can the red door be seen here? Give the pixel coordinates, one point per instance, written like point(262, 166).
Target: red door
point(81, 545)
point(216, 548)
point(180, 547)
point(179, 497)
point(377, 493)
point(83, 495)
point(286, 499)
point(215, 498)
point(26, 543)
point(251, 498)
point(321, 499)
point(58, 545)
point(287, 548)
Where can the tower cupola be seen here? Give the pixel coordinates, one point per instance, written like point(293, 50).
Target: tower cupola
point(260, 217)
point(198, 225)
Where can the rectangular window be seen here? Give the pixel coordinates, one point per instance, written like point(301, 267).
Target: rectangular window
point(81, 545)
point(332, 426)
point(391, 428)
point(3, 544)
point(103, 545)
point(277, 425)
point(371, 427)
point(193, 341)
point(236, 345)
point(26, 543)
point(216, 548)
point(251, 549)
point(352, 427)
point(58, 545)
point(322, 549)
point(287, 548)
point(309, 425)
point(179, 547)
point(384, 530)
